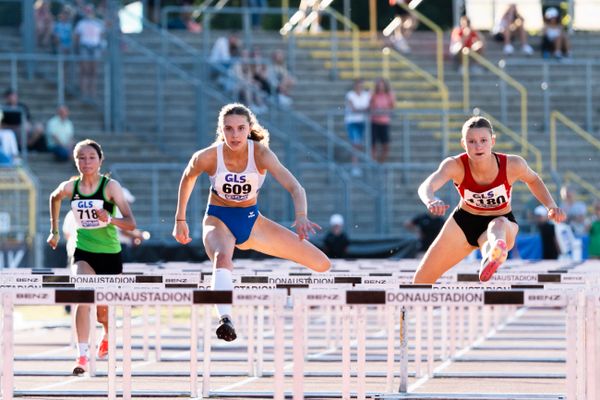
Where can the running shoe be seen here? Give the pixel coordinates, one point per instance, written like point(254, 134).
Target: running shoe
point(81, 365)
point(493, 261)
point(226, 331)
point(102, 349)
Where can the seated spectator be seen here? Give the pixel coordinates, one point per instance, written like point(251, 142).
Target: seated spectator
point(336, 242)
point(428, 226)
point(63, 32)
point(18, 117)
point(464, 37)
point(381, 105)
point(222, 57)
point(280, 79)
point(248, 90)
point(550, 249)
point(512, 24)
point(554, 37)
point(9, 150)
point(259, 71)
point(59, 134)
point(405, 22)
point(44, 23)
point(594, 232)
point(576, 210)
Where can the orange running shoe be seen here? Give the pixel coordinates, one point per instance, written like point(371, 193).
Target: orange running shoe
point(81, 365)
point(102, 349)
point(496, 257)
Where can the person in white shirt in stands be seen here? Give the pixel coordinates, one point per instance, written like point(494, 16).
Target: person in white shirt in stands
point(9, 150)
point(89, 33)
point(59, 134)
point(357, 105)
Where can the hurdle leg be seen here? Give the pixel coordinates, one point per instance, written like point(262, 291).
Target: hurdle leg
point(581, 348)
point(298, 349)
point(571, 349)
point(260, 340)
point(590, 342)
point(146, 329)
point(206, 352)
point(7, 347)
point(278, 348)
point(390, 321)
point(250, 339)
point(112, 357)
point(92, 340)
point(403, 352)
point(157, 333)
point(430, 353)
point(444, 333)
point(194, 353)
point(126, 333)
point(360, 352)
point(346, 355)
point(418, 334)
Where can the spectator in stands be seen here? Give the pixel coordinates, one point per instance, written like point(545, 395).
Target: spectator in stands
point(260, 71)
point(280, 79)
point(381, 105)
point(428, 227)
point(9, 150)
point(44, 23)
point(89, 40)
point(483, 218)
point(547, 230)
point(464, 37)
point(60, 134)
point(335, 243)
point(248, 88)
point(406, 23)
point(357, 106)
point(512, 24)
point(97, 249)
point(257, 16)
point(18, 117)
point(237, 164)
point(62, 34)
point(223, 56)
point(594, 232)
point(310, 16)
point(576, 210)
point(554, 37)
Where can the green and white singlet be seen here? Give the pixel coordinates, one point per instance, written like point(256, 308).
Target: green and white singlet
point(94, 235)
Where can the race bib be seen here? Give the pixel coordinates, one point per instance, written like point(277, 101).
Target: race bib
point(237, 187)
point(85, 212)
point(492, 198)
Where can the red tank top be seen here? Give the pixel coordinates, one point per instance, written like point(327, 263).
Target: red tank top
point(491, 197)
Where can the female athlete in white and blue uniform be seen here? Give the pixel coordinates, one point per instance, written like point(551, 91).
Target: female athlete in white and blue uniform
point(237, 164)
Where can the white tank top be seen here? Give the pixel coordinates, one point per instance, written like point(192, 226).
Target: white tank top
point(234, 186)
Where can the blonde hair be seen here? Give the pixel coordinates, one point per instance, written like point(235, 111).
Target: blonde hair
point(477, 122)
point(257, 132)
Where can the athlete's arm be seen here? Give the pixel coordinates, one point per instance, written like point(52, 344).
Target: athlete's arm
point(519, 170)
point(266, 159)
point(65, 189)
point(115, 193)
point(447, 170)
point(195, 167)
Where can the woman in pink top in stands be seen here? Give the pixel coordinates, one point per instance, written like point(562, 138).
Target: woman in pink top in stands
point(381, 106)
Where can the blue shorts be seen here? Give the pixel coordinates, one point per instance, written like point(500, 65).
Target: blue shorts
point(356, 132)
point(239, 220)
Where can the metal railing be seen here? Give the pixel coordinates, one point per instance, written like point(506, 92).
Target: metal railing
point(504, 79)
point(558, 116)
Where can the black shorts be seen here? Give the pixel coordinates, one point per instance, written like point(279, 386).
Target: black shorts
point(101, 263)
point(380, 133)
point(474, 225)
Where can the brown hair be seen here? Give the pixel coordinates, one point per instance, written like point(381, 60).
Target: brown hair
point(477, 122)
point(257, 132)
